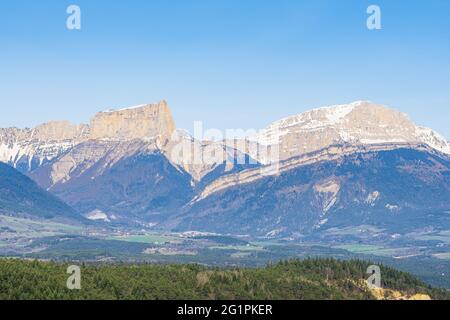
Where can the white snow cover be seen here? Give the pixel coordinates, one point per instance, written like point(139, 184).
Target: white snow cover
point(13, 153)
point(98, 215)
point(124, 109)
point(310, 120)
point(334, 114)
point(315, 121)
point(335, 117)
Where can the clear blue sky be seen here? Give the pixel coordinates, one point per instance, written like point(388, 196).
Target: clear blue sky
point(230, 63)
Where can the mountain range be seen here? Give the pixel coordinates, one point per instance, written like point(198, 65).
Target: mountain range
point(353, 165)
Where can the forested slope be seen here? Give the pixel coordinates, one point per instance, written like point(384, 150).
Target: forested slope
point(308, 279)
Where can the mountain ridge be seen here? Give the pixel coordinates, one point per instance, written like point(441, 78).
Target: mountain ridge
point(158, 119)
point(133, 164)
point(21, 196)
point(360, 122)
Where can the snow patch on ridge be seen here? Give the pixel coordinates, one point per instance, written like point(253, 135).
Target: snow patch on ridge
point(333, 115)
point(124, 109)
point(16, 152)
point(326, 120)
point(311, 120)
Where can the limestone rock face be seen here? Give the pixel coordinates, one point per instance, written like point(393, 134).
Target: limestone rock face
point(134, 165)
point(396, 190)
point(86, 157)
point(57, 131)
point(28, 149)
point(54, 131)
point(141, 122)
point(358, 123)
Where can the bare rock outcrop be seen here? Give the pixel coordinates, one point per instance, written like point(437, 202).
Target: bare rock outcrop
point(140, 122)
point(358, 123)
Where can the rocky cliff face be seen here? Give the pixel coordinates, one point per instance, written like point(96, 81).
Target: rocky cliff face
point(356, 124)
point(124, 181)
point(27, 149)
point(54, 131)
point(134, 163)
point(127, 162)
point(141, 122)
point(394, 191)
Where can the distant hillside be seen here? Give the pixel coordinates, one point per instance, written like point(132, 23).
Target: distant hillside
point(399, 191)
point(308, 279)
point(19, 195)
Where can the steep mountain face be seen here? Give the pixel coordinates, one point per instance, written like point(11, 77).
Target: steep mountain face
point(356, 164)
point(395, 190)
point(120, 180)
point(27, 149)
point(359, 124)
point(129, 163)
point(19, 195)
point(342, 165)
point(140, 122)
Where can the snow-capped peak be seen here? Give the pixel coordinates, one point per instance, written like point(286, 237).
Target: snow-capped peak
point(360, 123)
point(317, 117)
point(311, 120)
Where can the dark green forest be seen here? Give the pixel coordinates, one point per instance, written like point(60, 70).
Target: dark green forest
point(296, 279)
